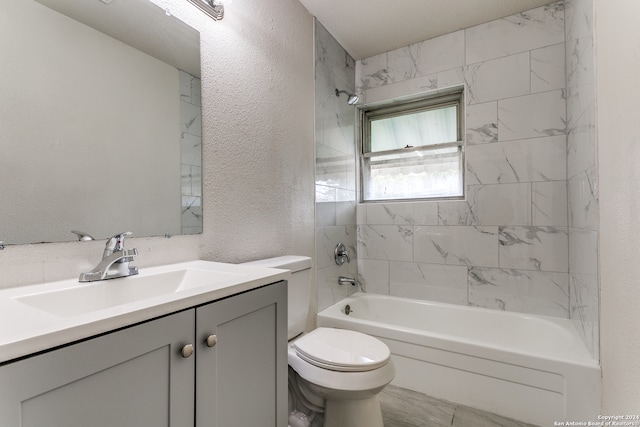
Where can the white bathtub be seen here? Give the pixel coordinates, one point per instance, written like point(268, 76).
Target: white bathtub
point(531, 368)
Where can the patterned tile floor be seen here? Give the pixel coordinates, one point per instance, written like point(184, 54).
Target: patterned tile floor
point(406, 408)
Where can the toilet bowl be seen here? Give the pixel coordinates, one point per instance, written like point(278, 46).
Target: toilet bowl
point(334, 374)
point(343, 371)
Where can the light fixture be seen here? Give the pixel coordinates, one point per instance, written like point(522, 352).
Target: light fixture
point(213, 8)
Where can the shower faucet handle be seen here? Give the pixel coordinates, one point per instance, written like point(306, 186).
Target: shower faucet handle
point(341, 254)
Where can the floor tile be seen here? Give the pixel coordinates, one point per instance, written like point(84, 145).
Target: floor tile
point(465, 416)
point(406, 408)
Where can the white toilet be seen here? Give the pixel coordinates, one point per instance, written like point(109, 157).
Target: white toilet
point(332, 372)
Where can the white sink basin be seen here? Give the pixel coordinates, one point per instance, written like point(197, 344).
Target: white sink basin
point(38, 317)
point(93, 296)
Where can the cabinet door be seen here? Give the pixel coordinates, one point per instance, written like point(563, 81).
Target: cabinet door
point(242, 379)
point(135, 377)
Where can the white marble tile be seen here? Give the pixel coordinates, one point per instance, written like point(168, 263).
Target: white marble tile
point(374, 275)
point(581, 109)
point(331, 167)
point(190, 89)
point(500, 78)
point(191, 149)
point(325, 193)
point(549, 203)
point(457, 245)
point(521, 32)
point(324, 91)
point(547, 68)
point(580, 60)
point(581, 152)
point(521, 291)
point(531, 116)
point(440, 53)
point(584, 309)
point(196, 181)
point(361, 213)
point(578, 18)
point(344, 195)
point(534, 248)
point(338, 122)
point(385, 242)
point(402, 63)
point(329, 291)
point(434, 282)
point(413, 86)
point(346, 212)
point(414, 61)
point(374, 72)
point(501, 204)
point(191, 214)
point(527, 160)
point(583, 200)
point(332, 55)
point(325, 214)
point(328, 237)
point(449, 78)
point(482, 123)
point(583, 253)
point(190, 119)
point(418, 213)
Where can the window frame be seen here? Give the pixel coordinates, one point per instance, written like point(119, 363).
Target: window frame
point(400, 107)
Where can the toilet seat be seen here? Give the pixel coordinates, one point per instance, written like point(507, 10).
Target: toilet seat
point(342, 350)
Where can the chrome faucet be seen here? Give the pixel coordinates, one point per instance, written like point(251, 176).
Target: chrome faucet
point(115, 261)
point(346, 281)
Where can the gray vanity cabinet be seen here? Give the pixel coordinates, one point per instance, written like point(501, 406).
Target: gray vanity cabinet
point(241, 379)
point(144, 376)
point(135, 377)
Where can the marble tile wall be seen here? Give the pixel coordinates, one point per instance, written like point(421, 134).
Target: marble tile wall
point(506, 246)
point(582, 188)
point(335, 166)
point(191, 149)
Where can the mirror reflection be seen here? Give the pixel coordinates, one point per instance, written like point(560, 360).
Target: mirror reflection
point(100, 121)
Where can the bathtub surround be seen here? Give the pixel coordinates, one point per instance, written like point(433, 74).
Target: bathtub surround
point(506, 246)
point(335, 166)
point(582, 186)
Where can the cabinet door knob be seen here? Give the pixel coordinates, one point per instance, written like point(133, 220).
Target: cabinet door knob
point(187, 351)
point(212, 340)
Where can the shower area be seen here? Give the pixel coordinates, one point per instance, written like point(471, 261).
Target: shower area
point(524, 239)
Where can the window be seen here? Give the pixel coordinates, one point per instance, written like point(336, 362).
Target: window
point(412, 150)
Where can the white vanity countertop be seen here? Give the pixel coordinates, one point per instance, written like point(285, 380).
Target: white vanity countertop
point(40, 317)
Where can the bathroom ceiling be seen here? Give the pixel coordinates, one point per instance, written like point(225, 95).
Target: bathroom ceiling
point(369, 27)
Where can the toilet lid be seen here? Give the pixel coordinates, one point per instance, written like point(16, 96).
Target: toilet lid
point(342, 350)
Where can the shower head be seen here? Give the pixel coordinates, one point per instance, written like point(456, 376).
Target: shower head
point(352, 98)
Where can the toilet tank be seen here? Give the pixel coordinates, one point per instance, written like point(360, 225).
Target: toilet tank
point(298, 288)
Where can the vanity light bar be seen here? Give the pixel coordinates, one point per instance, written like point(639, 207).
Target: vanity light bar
point(213, 8)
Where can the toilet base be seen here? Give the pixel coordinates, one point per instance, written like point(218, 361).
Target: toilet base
point(353, 413)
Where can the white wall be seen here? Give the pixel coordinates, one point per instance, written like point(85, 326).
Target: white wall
point(258, 155)
point(618, 111)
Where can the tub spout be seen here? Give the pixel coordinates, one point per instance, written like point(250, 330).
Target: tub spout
point(346, 281)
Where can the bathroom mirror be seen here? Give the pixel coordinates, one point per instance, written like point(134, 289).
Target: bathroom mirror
point(100, 121)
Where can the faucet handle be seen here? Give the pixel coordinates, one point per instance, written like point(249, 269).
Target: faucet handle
point(115, 243)
point(341, 254)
